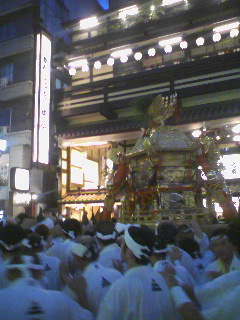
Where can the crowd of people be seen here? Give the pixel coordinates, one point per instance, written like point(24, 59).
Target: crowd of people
point(55, 269)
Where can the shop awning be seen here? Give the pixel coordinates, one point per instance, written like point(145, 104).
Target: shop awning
point(83, 197)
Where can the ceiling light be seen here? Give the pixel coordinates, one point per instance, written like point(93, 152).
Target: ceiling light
point(170, 41)
point(97, 65)
point(124, 58)
point(236, 138)
point(196, 133)
point(88, 23)
point(200, 41)
point(120, 53)
point(72, 71)
point(216, 37)
point(227, 27)
point(236, 129)
point(138, 56)
point(152, 8)
point(110, 62)
point(85, 68)
point(77, 63)
point(168, 48)
point(151, 52)
point(183, 44)
point(129, 11)
point(234, 33)
point(169, 2)
point(218, 137)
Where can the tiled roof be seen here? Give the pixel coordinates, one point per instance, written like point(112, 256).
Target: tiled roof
point(212, 111)
point(86, 197)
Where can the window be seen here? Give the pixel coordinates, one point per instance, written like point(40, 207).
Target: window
point(6, 71)
point(7, 31)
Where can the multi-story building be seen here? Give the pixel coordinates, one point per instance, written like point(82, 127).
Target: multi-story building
point(120, 60)
point(30, 33)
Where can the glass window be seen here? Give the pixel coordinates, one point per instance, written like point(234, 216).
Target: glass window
point(7, 31)
point(6, 71)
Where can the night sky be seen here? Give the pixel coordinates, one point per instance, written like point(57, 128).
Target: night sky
point(84, 8)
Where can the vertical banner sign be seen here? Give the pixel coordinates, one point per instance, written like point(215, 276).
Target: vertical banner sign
point(42, 99)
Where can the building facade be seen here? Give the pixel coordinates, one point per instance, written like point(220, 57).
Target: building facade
point(30, 34)
point(121, 59)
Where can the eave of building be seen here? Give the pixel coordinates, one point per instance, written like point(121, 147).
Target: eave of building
point(86, 197)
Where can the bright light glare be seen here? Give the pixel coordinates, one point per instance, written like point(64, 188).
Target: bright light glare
point(236, 138)
point(120, 53)
point(129, 11)
point(72, 71)
point(138, 56)
point(183, 44)
point(124, 58)
point(169, 2)
point(234, 33)
point(88, 23)
point(170, 41)
point(226, 27)
point(110, 62)
point(151, 52)
point(168, 48)
point(77, 63)
point(216, 37)
point(85, 68)
point(97, 65)
point(236, 129)
point(3, 145)
point(200, 41)
point(196, 133)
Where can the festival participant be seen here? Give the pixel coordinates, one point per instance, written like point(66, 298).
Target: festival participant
point(11, 236)
point(98, 278)
point(167, 231)
point(141, 293)
point(71, 229)
point(226, 258)
point(110, 252)
point(25, 299)
point(217, 299)
point(33, 244)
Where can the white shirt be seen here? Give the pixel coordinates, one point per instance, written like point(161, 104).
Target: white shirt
point(108, 254)
point(23, 299)
point(216, 266)
point(99, 279)
point(51, 271)
point(61, 250)
point(141, 294)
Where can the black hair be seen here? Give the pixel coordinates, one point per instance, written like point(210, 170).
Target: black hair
point(105, 228)
point(11, 235)
point(145, 237)
point(72, 224)
point(167, 231)
point(43, 231)
point(191, 246)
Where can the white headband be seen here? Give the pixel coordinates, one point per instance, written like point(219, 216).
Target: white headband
point(80, 250)
point(70, 233)
point(218, 237)
point(26, 265)
point(160, 251)
point(10, 247)
point(107, 236)
point(135, 247)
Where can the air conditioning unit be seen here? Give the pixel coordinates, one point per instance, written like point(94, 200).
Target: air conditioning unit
point(3, 82)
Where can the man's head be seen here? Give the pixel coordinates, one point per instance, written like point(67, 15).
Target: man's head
point(167, 232)
point(220, 245)
point(137, 246)
point(11, 236)
point(72, 228)
point(184, 231)
point(83, 254)
point(106, 233)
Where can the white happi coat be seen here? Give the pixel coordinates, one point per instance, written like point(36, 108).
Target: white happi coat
point(25, 300)
point(141, 294)
point(108, 254)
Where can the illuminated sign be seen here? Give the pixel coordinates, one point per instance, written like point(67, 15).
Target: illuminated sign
point(42, 99)
point(19, 179)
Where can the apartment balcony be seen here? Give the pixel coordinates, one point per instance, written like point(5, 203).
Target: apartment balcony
point(15, 46)
point(10, 6)
point(16, 91)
